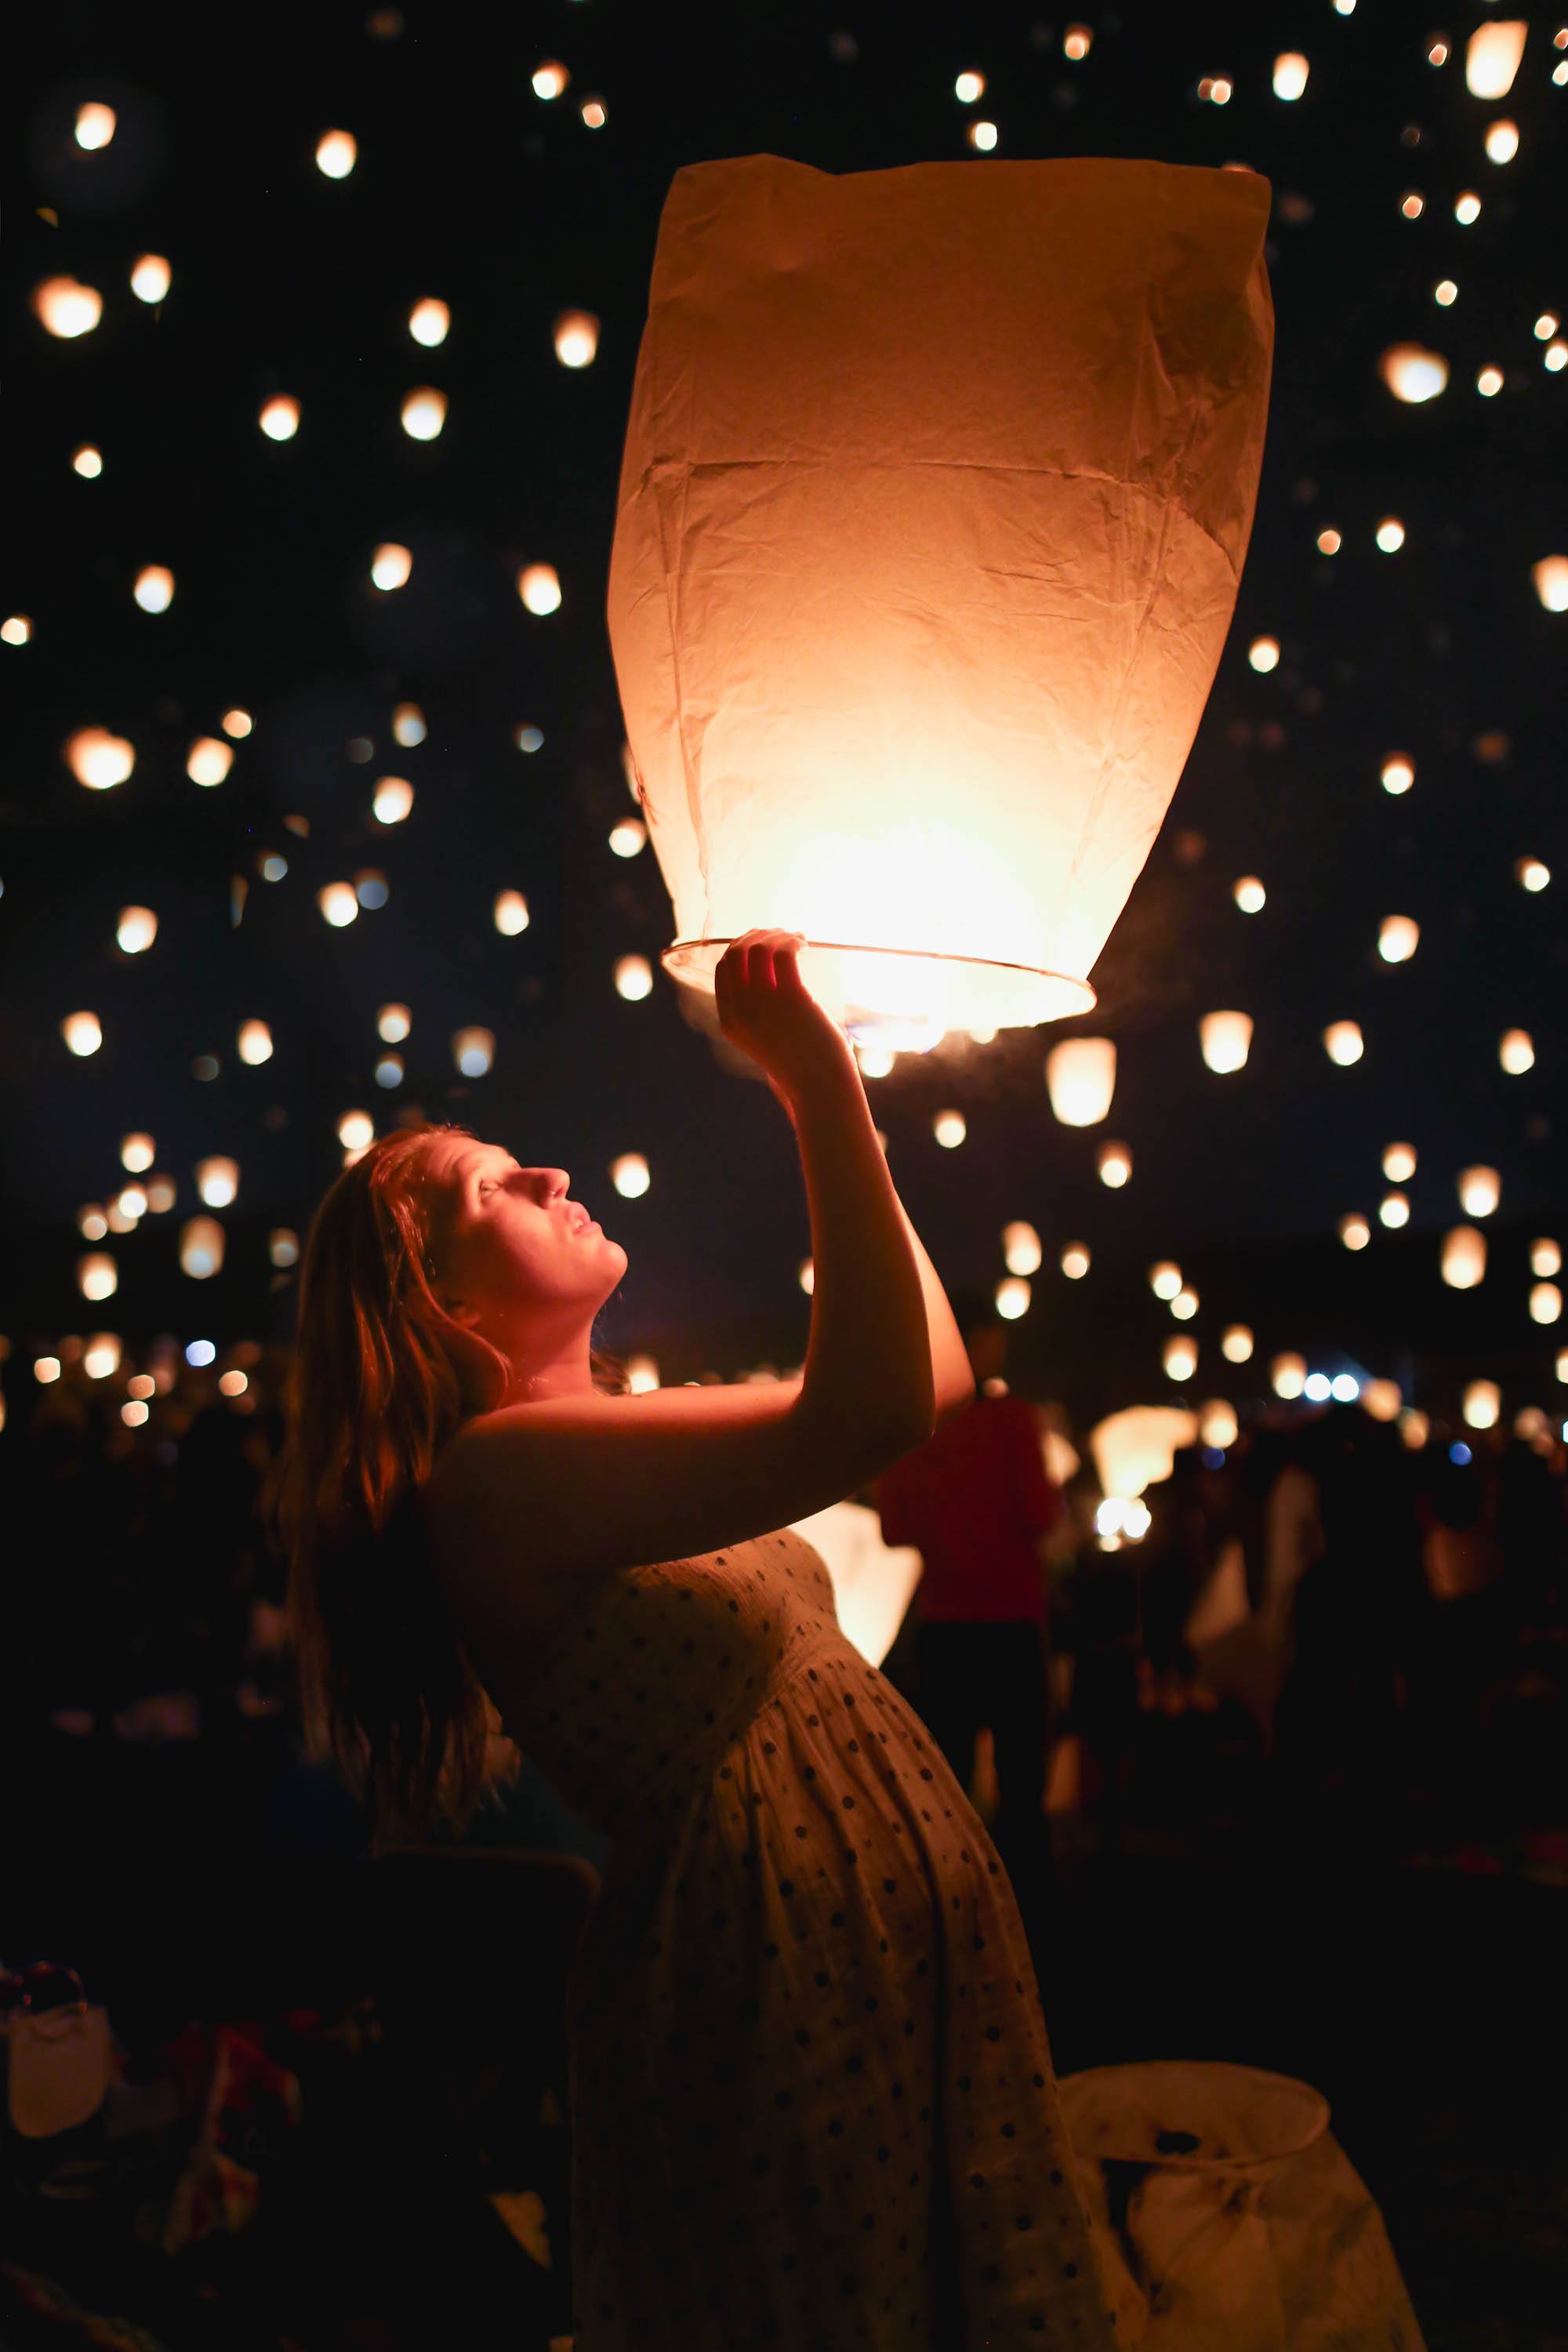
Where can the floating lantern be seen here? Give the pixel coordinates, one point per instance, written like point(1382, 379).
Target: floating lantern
point(429, 322)
point(1165, 1278)
point(154, 588)
point(209, 761)
point(1263, 653)
point(355, 1129)
point(1236, 1343)
point(201, 1247)
point(82, 1031)
point(511, 913)
point(1466, 208)
point(1355, 1232)
point(1516, 1051)
point(1180, 1357)
point(90, 1222)
point(283, 1245)
point(1482, 1404)
point(633, 978)
point(540, 587)
point(805, 1275)
point(1114, 1164)
point(952, 815)
point(393, 1022)
point(550, 79)
point(161, 1194)
point(335, 154)
point(136, 928)
point(1550, 578)
point(138, 1151)
point(1390, 534)
point(628, 836)
point(642, 1374)
point(65, 309)
point(949, 1128)
point(1074, 1261)
point(1021, 1248)
point(968, 88)
point(1413, 373)
point(1343, 1044)
point(1464, 1257)
point(1502, 141)
point(1329, 543)
point(423, 412)
point(1012, 1298)
point(1492, 59)
point(388, 1071)
point(1382, 1400)
point(1291, 72)
point(1288, 1376)
point(392, 800)
point(101, 1357)
point(98, 760)
point(1393, 1210)
point(150, 278)
point(254, 1043)
point(1226, 1039)
point(576, 339)
point(217, 1181)
point(630, 1176)
point(408, 724)
point(94, 125)
point(1545, 1302)
point(391, 566)
point(1184, 1305)
point(1414, 1428)
point(1479, 1190)
point(1530, 874)
point(88, 462)
point(1545, 1257)
point(1396, 938)
point(1135, 1449)
point(1562, 1365)
point(1080, 1077)
point(97, 1275)
point(279, 418)
point(1218, 1423)
point(1397, 772)
point(474, 1050)
point(1249, 894)
point(338, 903)
point(1399, 1162)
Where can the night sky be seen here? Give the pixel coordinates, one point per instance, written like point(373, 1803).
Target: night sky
point(510, 209)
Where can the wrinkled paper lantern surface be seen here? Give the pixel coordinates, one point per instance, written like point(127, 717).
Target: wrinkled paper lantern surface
point(936, 488)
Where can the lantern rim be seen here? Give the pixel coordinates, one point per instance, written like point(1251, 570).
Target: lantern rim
point(695, 961)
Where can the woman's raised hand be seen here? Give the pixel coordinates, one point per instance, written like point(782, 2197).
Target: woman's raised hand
point(766, 1009)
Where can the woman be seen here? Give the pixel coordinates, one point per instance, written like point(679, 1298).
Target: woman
point(812, 2102)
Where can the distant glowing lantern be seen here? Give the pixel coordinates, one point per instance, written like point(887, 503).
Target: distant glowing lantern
point(1074, 1261)
point(283, 1245)
point(388, 1070)
point(1530, 874)
point(1413, 373)
point(88, 462)
point(209, 761)
point(154, 588)
point(576, 338)
point(392, 800)
point(99, 760)
point(1399, 1162)
point(1133, 1449)
point(1550, 578)
point(968, 88)
point(1390, 534)
point(279, 418)
point(65, 309)
point(949, 1128)
point(101, 1357)
point(94, 125)
point(1343, 1044)
point(805, 1275)
point(1479, 1190)
point(408, 724)
point(1180, 1357)
point(1291, 72)
point(335, 154)
point(1263, 653)
point(1545, 1302)
point(150, 278)
point(1226, 1039)
point(1076, 42)
point(540, 587)
point(136, 928)
point(1466, 208)
point(1080, 1076)
point(393, 1022)
point(391, 566)
point(1397, 936)
point(1393, 1210)
point(1545, 1257)
point(423, 412)
point(1021, 1248)
point(1236, 1344)
point(1355, 1231)
point(255, 1042)
point(1516, 1051)
point(1184, 1305)
point(633, 978)
point(474, 1050)
point(161, 1194)
point(1012, 1297)
point(1492, 59)
point(1382, 1400)
point(82, 1031)
point(1249, 894)
point(217, 1181)
point(201, 1247)
point(630, 1175)
point(355, 1129)
point(138, 1151)
point(1482, 1404)
point(1165, 1278)
point(1397, 772)
point(642, 1374)
point(628, 836)
point(338, 903)
point(1464, 1257)
point(550, 79)
point(1329, 543)
point(1218, 1423)
point(429, 322)
point(97, 1275)
point(1287, 1375)
point(1114, 1163)
point(510, 913)
point(1414, 1428)
point(954, 820)
point(1502, 141)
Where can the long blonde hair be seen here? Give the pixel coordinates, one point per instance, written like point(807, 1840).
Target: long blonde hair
point(387, 1690)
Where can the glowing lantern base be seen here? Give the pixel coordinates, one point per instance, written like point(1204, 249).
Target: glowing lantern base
point(900, 998)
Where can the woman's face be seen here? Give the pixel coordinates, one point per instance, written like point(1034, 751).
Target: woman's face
point(513, 1254)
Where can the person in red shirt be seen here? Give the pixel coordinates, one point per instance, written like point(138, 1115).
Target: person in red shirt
point(975, 1501)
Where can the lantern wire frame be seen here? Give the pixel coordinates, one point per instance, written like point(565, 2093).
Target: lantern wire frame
point(880, 995)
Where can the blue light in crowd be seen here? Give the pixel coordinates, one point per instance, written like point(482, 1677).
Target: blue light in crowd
point(1459, 1452)
point(1344, 1388)
point(1213, 1457)
point(200, 1351)
point(1317, 1385)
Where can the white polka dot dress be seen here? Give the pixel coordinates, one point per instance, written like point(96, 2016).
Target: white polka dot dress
point(812, 2102)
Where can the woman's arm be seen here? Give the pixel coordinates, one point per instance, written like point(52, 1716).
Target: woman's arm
point(952, 1376)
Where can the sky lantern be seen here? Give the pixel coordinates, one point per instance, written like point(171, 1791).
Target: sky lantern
point(99, 760)
point(1502, 141)
point(1263, 653)
point(1550, 578)
point(66, 309)
point(1021, 1248)
point(393, 1022)
point(408, 724)
point(1355, 1231)
point(423, 412)
point(1184, 1305)
point(1226, 1039)
point(429, 322)
point(217, 1181)
point(1080, 1076)
point(1180, 1357)
point(1383, 1399)
point(1545, 1257)
point(279, 418)
point(154, 588)
point(392, 800)
point(1397, 936)
point(642, 1374)
point(336, 151)
point(1343, 1044)
point(630, 1176)
point(1516, 1051)
point(97, 1275)
point(628, 836)
point(1011, 1296)
point(1113, 1165)
point(82, 1031)
point(633, 978)
point(474, 1050)
point(1464, 1257)
point(150, 278)
point(201, 1247)
point(391, 566)
point(1393, 1210)
point(138, 1151)
point(95, 125)
point(1481, 1404)
point(1545, 1302)
point(1133, 1449)
point(1249, 894)
point(355, 1129)
point(1165, 1278)
point(1074, 1261)
point(1236, 1343)
point(1397, 772)
point(1218, 1424)
point(1531, 875)
point(209, 761)
point(550, 79)
point(1399, 1162)
point(950, 1129)
point(1479, 1190)
point(283, 1245)
point(576, 339)
point(101, 1357)
point(1413, 373)
point(254, 1043)
point(539, 585)
point(510, 913)
point(1291, 72)
point(1491, 57)
point(136, 928)
point(1287, 1375)
point(918, 677)
point(338, 903)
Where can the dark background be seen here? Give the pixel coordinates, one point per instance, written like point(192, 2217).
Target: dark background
point(510, 209)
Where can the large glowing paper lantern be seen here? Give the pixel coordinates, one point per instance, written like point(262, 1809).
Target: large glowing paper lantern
point(1133, 1448)
point(1492, 59)
point(1226, 1039)
point(1080, 1077)
point(936, 488)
